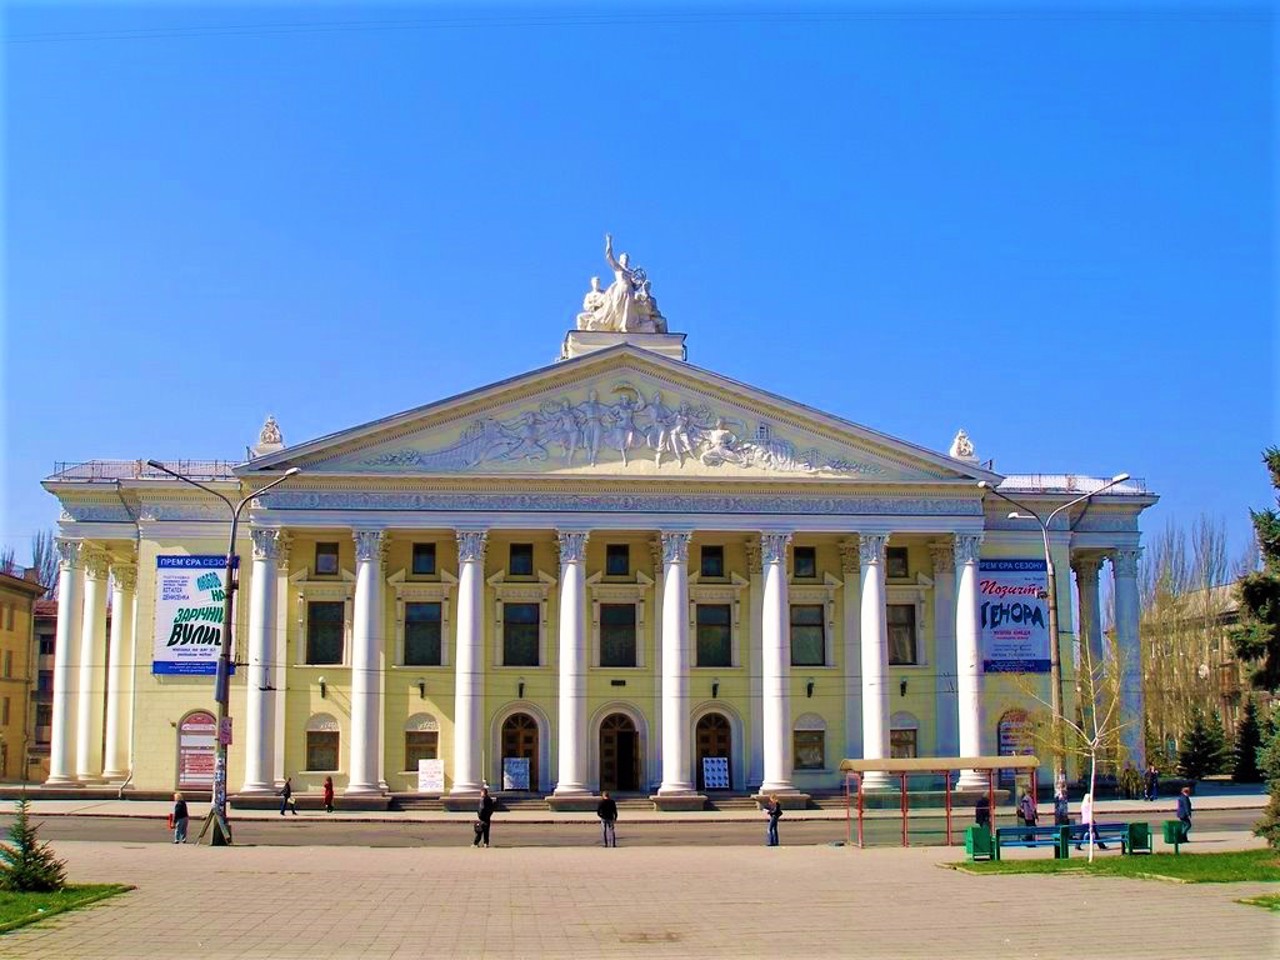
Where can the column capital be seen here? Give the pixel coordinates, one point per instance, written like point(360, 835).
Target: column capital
point(675, 547)
point(755, 561)
point(96, 564)
point(573, 546)
point(125, 575)
point(871, 548)
point(369, 545)
point(850, 564)
point(773, 547)
point(471, 545)
point(1124, 563)
point(266, 543)
point(68, 552)
point(967, 546)
point(284, 547)
point(1087, 567)
point(943, 556)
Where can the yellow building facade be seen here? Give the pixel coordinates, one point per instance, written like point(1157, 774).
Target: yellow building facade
point(621, 571)
point(18, 595)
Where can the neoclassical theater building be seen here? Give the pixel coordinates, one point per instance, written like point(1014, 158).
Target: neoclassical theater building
point(621, 571)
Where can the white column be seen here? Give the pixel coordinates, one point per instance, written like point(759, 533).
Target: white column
point(775, 632)
point(851, 632)
point(93, 643)
point(755, 669)
point(944, 648)
point(653, 753)
point(875, 657)
point(279, 647)
point(1092, 649)
point(1124, 568)
point(676, 765)
point(62, 763)
point(469, 660)
point(573, 665)
point(260, 692)
point(366, 651)
point(969, 657)
point(124, 579)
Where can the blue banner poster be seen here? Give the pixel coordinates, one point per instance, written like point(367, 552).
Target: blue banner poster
point(1014, 612)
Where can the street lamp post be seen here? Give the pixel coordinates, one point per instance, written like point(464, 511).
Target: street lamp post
point(217, 818)
point(1055, 651)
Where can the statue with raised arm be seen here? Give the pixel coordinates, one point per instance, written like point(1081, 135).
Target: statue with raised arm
point(627, 306)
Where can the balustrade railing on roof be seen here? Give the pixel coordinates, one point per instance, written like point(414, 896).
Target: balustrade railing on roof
point(139, 470)
point(1069, 483)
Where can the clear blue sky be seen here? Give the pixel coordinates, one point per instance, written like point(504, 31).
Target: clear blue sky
point(1052, 227)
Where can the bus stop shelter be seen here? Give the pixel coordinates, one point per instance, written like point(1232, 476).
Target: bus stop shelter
point(902, 768)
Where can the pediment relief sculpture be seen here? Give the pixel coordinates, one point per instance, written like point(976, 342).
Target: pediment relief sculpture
point(625, 426)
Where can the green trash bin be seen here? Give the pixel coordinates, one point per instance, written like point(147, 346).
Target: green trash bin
point(978, 843)
point(1173, 833)
point(1139, 838)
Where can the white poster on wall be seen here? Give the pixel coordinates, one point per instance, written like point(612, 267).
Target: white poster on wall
point(1014, 613)
point(189, 604)
point(515, 773)
point(431, 776)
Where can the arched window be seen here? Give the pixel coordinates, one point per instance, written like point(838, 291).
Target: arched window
point(323, 742)
point(810, 742)
point(904, 735)
point(421, 740)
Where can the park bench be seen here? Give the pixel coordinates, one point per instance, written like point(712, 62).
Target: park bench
point(1132, 837)
point(1025, 836)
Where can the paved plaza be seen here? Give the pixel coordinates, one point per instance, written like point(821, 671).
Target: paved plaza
point(736, 901)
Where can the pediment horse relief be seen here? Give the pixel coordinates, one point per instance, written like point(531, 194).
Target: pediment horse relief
point(668, 429)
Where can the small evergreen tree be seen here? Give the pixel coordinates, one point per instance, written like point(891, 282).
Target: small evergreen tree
point(1222, 755)
point(1269, 762)
point(1199, 753)
point(1257, 638)
point(29, 865)
point(1248, 745)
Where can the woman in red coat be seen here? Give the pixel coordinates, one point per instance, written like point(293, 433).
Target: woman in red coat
point(328, 794)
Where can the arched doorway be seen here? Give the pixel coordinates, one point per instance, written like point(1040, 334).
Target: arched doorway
point(619, 753)
point(520, 739)
point(714, 739)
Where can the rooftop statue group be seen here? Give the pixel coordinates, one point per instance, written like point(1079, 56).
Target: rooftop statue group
point(627, 306)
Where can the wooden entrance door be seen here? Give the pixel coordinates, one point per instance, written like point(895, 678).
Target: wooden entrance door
point(520, 739)
point(619, 754)
point(714, 739)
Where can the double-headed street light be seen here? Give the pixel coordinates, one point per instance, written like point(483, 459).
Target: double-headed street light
point(217, 819)
point(1055, 654)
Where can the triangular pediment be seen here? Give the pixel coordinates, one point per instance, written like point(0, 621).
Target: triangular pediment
point(622, 412)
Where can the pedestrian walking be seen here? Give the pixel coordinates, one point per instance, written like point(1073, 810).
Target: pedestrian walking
point(1184, 813)
point(772, 810)
point(982, 811)
point(484, 813)
point(607, 811)
point(180, 818)
point(286, 797)
point(1151, 783)
point(1027, 812)
point(1061, 807)
point(1086, 821)
point(328, 794)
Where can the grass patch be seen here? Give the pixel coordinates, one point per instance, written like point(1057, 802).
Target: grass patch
point(19, 909)
point(1269, 902)
point(1237, 866)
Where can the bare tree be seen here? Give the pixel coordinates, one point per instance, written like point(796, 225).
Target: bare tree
point(8, 562)
point(44, 557)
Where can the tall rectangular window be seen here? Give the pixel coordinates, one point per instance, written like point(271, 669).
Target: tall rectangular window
point(520, 560)
point(808, 635)
point(804, 563)
point(420, 745)
point(902, 744)
point(617, 560)
point(326, 559)
point(715, 646)
point(895, 563)
point(424, 559)
point(4, 711)
point(712, 561)
point(6, 664)
point(520, 634)
point(422, 635)
point(44, 714)
point(44, 683)
point(617, 634)
point(46, 646)
point(322, 749)
point(325, 632)
point(902, 633)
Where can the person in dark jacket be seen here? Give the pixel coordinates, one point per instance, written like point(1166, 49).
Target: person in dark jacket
point(607, 811)
point(328, 794)
point(484, 813)
point(1061, 807)
point(286, 797)
point(180, 819)
point(1027, 812)
point(772, 810)
point(1184, 812)
point(1151, 783)
point(982, 811)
